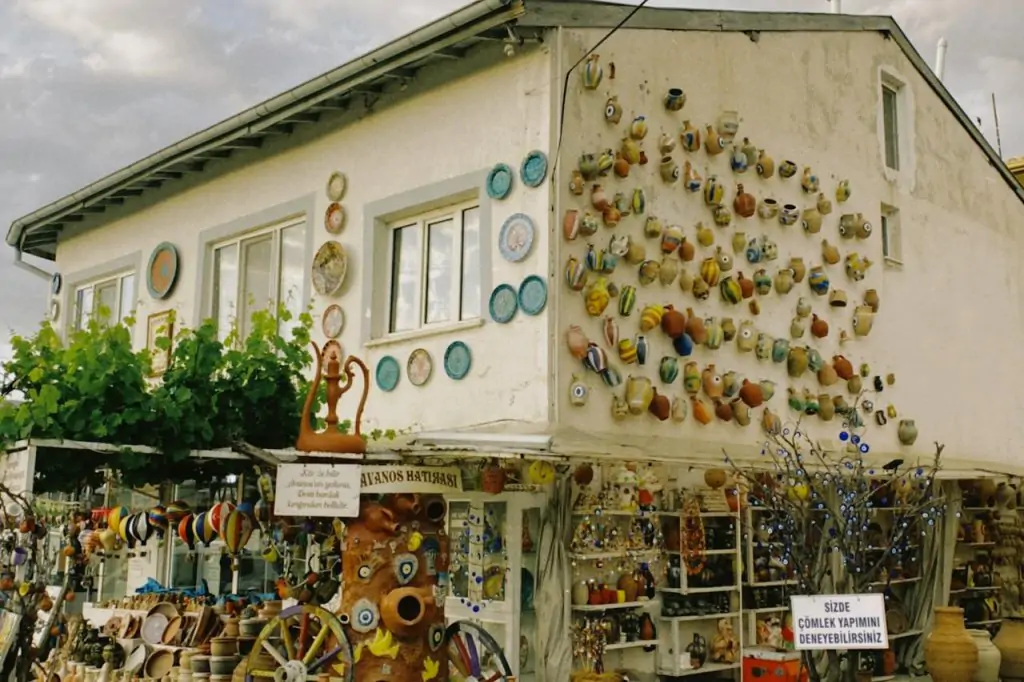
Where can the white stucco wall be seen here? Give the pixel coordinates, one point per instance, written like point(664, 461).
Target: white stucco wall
point(496, 114)
point(950, 318)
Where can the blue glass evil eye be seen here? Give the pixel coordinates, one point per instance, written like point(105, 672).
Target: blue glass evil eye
point(435, 636)
point(406, 566)
point(365, 616)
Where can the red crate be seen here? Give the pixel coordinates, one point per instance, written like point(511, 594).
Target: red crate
point(761, 670)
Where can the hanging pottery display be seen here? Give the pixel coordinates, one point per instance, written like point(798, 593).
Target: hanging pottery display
point(592, 72)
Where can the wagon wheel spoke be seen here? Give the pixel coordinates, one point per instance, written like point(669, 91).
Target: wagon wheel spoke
point(269, 674)
point(289, 643)
point(273, 651)
point(318, 642)
point(303, 638)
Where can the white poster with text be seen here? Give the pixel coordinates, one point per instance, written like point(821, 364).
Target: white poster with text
point(839, 621)
point(330, 490)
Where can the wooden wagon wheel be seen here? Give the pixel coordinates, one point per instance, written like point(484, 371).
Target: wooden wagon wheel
point(474, 655)
point(297, 643)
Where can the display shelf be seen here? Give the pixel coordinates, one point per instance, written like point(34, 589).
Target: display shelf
point(992, 588)
point(906, 634)
point(895, 581)
point(706, 616)
point(619, 646)
point(699, 590)
point(629, 513)
point(622, 605)
point(767, 609)
point(619, 554)
point(703, 670)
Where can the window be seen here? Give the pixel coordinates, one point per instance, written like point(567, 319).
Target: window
point(434, 269)
point(256, 271)
point(892, 247)
point(890, 123)
point(109, 300)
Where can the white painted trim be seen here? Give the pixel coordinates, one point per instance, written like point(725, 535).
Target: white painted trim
point(117, 267)
point(904, 177)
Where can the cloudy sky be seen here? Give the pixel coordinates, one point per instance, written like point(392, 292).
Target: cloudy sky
point(88, 86)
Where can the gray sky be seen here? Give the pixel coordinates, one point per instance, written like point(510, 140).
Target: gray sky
point(88, 86)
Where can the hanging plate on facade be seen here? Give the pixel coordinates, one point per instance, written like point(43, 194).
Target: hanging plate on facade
point(504, 303)
point(515, 241)
point(457, 360)
point(56, 283)
point(388, 373)
point(336, 186)
point(534, 169)
point(162, 272)
point(334, 219)
point(533, 295)
point(333, 321)
point(499, 182)
point(330, 265)
point(419, 367)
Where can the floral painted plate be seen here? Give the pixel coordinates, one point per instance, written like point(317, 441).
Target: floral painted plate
point(388, 373)
point(504, 303)
point(534, 169)
point(333, 321)
point(334, 219)
point(533, 295)
point(330, 265)
point(420, 367)
point(162, 272)
point(515, 241)
point(499, 182)
point(336, 186)
point(457, 360)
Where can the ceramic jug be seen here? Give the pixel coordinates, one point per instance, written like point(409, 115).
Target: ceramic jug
point(768, 209)
point(592, 72)
point(669, 169)
point(797, 328)
point(690, 137)
point(796, 362)
point(700, 410)
point(751, 394)
point(746, 336)
point(691, 178)
point(730, 289)
point(843, 191)
point(612, 110)
point(765, 165)
point(740, 412)
point(711, 382)
point(949, 652)
point(784, 280)
point(811, 220)
point(679, 410)
point(744, 204)
point(713, 144)
point(907, 432)
point(863, 320)
point(639, 394)
point(691, 378)
point(829, 253)
point(666, 144)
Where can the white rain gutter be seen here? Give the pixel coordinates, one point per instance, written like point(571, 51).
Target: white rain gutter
point(241, 124)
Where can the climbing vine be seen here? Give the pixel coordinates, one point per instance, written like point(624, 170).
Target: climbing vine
point(96, 388)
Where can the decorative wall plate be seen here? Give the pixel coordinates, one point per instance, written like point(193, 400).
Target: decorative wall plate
point(515, 241)
point(457, 360)
point(333, 321)
point(336, 186)
point(56, 283)
point(162, 272)
point(334, 219)
point(419, 367)
point(330, 265)
point(54, 310)
point(499, 182)
point(534, 169)
point(533, 295)
point(504, 303)
point(388, 373)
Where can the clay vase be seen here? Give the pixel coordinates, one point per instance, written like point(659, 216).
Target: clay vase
point(647, 630)
point(723, 410)
point(989, 658)
point(871, 300)
point(949, 652)
point(843, 367)
point(796, 264)
point(687, 251)
point(577, 342)
point(700, 410)
point(819, 327)
point(627, 583)
point(1010, 642)
point(673, 322)
point(829, 253)
point(695, 327)
point(907, 432)
point(744, 204)
point(746, 285)
point(660, 405)
point(784, 281)
point(751, 394)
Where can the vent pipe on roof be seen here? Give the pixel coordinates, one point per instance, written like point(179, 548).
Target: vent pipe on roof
point(837, 6)
point(940, 58)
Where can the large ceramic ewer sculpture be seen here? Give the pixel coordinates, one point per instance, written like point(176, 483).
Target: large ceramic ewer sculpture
point(331, 439)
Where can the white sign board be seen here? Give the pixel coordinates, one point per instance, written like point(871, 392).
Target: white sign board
point(330, 490)
point(17, 473)
point(839, 621)
point(411, 479)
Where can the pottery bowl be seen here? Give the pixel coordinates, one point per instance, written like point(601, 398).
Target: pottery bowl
point(222, 665)
point(251, 627)
point(159, 663)
point(200, 664)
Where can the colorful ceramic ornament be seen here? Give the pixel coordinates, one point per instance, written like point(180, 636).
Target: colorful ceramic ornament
point(745, 205)
point(666, 144)
point(592, 72)
point(824, 204)
point(683, 345)
point(818, 280)
point(650, 317)
point(627, 351)
point(638, 205)
point(627, 300)
point(499, 181)
point(620, 410)
point(502, 305)
point(714, 191)
point(595, 359)
point(162, 270)
point(705, 235)
point(768, 209)
point(700, 410)
point(863, 320)
point(533, 295)
point(856, 266)
point(679, 410)
point(587, 165)
point(842, 191)
point(669, 169)
point(907, 432)
point(811, 220)
point(787, 169)
point(457, 360)
point(605, 162)
point(713, 143)
point(579, 392)
point(575, 274)
point(596, 296)
point(639, 394)
point(728, 124)
point(668, 369)
point(721, 215)
point(630, 150)
point(649, 272)
point(739, 241)
point(809, 181)
point(738, 160)
point(690, 137)
point(612, 110)
point(621, 166)
point(642, 348)
point(691, 178)
point(336, 186)
point(673, 322)
point(534, 168)
point(762, 282)
point(668, 270)
point(765, 164)
point(789, 214)
point(675, 98)
point(638, 128)
point(419, 367)
point(576, 183)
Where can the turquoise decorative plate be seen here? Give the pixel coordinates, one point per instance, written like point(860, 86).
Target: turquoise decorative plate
point(515, 241)
point(457, 360)
point(162, 272)
point(388, 373)
point(533, 295)
point(504, 303)
point(499, 182)
point(534, 168)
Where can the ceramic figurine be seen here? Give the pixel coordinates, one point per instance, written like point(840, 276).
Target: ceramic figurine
point(679, 410)
point(765, 165)
point(713, 144)
point(818, 280)
point(811, 220)
point(728, 124)
point(780, 350)
point(751, 394)
point(803, 307)
point(789, 214)
point(746, 285)
point(649, 271)
point(660, 406)
point(847, 225)
point(653, 227)
point(579, 392)
point(666, 144)
point(763, 346)
point(575, 274)
point(642, 348)
point(691, 378)
point(739, 241)
point(746, 337)
point(722, 215)
point(843, 191)
point(630, 151)
point(829, 253)
point(705, 236)
point(612, 110)
point(675, 98)
point(768, 209)
point(796, 264)
point(824, 204)
point(738, 160)
point(588, 224)
point(843, 367)
point(753, 253)
point(837, 298)
point(745, 205)
point(639, 394)
point(620, 410)
point(669, 169)
point(610, 331)
point(592, 72)
point(787, 169)
point(668, 270)
point(907, 432)
point(686, 280)
point(576, 183)
point(627, 300)
point(638, 128)
point(796, 362)
point(621, 166)
point(587, 167)
point(797, 327)
point(856, 266)
point(701, 290)
point(711, 382)
point(715, 334)
point(714, 191)
point(650, 317)
point(668, 369)
point(784, 281)
point(690, 137)
point(809, 181)
point(700, 410)
point(691, 179)
point(863, 320)
point(872, 300)
point(762, 282)
point(728, 328)
point(673, 322)
point(605, 162)
point(770, 423)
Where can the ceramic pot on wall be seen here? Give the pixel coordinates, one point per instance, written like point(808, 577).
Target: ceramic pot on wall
point(1010, 642)
point(989, 657)
point(950, 653)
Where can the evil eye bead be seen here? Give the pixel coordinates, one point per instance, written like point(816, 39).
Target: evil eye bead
point(406, 566)
point(435, 636)
point(365, 616)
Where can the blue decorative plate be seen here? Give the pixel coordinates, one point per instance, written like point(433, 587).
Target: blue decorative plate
point(534, 168)
point(457, 360)
point(388, 373)
point(515, 241)
point(533, 295)
point(504, 303)
point(162, 272)
point(499, 182)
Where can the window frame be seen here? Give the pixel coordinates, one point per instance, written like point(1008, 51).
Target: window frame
point(423, 222)
point(891, 124)
point(892, 236)
point(116, 278)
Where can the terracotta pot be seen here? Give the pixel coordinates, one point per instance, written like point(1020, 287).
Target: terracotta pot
point(493, 479)
point(989, 657)
point(950, 653)
point(1010, 642)
point(407, 611)
point(627, 583)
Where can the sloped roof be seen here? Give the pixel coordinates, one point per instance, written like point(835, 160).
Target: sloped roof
point(450, 37)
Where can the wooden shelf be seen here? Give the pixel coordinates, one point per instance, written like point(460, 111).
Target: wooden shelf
point(699, 590)
point(767, 609)
point(703, 670)
point(908, 633)
point(706, 616)
point(620, 605)
point(895, 581)
point(620, 554)
point(631, 645)
point(775, 583)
